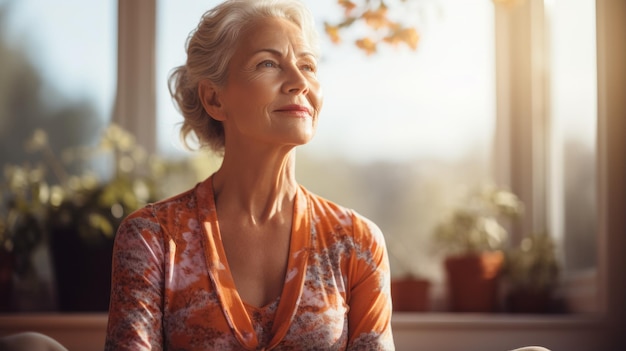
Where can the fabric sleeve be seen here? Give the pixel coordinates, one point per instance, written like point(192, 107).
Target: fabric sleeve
point(369, 298)
point(137, 285)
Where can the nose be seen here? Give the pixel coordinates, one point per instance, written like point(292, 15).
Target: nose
point(296, 82)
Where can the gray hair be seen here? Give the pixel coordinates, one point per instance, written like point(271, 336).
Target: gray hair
point(210, 47)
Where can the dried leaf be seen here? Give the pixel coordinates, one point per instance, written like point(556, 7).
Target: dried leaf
point(347, 5)
point(333, 33)
point(367, 45)
point(376, 19)
point(408, 36)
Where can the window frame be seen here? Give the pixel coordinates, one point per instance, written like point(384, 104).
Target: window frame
point(522, 155)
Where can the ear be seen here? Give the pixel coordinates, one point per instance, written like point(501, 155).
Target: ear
point(209, 97)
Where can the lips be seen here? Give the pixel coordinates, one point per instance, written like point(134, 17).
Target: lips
point(295, 109)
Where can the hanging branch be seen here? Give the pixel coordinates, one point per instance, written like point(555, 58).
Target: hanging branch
point(381, 28)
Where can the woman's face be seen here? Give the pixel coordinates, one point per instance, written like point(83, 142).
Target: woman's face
point(272, 95)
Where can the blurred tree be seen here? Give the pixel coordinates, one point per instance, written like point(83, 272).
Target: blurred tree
point(27, 102)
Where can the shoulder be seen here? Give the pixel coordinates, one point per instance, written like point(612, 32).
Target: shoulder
point(155, 217)
point(360, 227)
point(164, 206)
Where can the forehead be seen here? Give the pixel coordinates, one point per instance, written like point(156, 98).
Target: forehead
point(272, 32)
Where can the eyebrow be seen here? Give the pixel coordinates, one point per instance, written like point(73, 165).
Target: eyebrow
point(279, 53)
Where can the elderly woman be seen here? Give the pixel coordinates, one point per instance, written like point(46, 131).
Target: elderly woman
point(248, 259)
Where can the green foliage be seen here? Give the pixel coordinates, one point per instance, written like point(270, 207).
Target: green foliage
point(32, 205)
point(476, 225)
point(533, 266)
point(88, 204)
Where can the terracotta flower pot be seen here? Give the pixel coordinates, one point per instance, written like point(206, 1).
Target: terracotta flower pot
point(473, 281)
point(410, 294)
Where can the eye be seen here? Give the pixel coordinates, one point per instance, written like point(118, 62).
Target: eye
point(308, 67)
point(267, 64)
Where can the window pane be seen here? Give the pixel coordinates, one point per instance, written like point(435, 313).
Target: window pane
point(574, 111)
point(57, 73)
point(175, 20)
point(401, 134)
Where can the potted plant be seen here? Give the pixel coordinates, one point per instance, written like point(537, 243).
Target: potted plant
point(532, 272)
point(75, 215)
point(472, 238)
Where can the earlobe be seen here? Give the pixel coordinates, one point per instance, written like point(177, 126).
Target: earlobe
point(209, 97)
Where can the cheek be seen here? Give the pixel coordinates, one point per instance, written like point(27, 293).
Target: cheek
point(316, 97)
point(257, 98)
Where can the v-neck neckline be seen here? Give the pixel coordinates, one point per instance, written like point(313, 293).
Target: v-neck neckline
point(233, 307)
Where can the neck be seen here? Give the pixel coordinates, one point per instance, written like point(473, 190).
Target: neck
point(256, 187)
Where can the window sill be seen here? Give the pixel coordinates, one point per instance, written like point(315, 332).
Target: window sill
point(76, 331)
point(470, 331)
point(428, 331)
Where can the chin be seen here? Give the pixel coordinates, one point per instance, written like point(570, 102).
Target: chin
point(302, 137)
point(306, 138)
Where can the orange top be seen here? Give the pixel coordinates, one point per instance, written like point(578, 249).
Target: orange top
point(172, 288)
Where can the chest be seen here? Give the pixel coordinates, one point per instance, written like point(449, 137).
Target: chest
point(257, 257)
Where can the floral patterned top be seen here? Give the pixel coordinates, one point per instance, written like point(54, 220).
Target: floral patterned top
point(172, 288)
